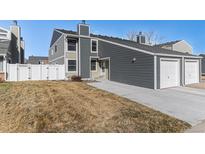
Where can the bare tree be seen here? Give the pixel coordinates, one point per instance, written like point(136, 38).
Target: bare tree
point(152, 37)
point(132, 35)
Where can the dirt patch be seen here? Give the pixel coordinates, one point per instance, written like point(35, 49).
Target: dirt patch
point(198, 85)
point(76, 107)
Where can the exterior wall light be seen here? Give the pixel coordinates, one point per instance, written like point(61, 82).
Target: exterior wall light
point(134, 60)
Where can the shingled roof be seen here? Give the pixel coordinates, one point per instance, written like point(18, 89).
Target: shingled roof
point(153, 49)
point(168, 43)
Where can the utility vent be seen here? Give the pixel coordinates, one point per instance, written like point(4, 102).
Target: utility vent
point(141, 38)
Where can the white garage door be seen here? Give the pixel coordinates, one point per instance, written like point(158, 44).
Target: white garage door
point(191, 71)
point(169, 73)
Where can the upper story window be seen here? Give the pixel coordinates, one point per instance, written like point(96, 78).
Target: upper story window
point(94, 44)
point(56, 48)
point(72, 44)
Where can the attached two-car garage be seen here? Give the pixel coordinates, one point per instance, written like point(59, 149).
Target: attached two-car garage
point(176, 72)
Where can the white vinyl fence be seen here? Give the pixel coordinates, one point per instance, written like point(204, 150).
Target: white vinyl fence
point(25, 72)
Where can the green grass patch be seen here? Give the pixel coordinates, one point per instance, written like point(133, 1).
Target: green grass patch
point(4, 86)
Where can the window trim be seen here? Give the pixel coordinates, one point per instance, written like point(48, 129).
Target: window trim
point(96, 46)
point(72, 65)
point(96, 67)
point(72, 51)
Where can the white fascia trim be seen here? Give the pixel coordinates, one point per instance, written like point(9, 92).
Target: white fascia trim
point(191, 60)
point(56, 59)
point(180, 56)
point(171, 59)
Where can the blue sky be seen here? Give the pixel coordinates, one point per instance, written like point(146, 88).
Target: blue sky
point(37, 33)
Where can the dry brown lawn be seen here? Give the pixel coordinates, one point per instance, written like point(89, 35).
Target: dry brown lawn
point(198, 85)
point(76, 107)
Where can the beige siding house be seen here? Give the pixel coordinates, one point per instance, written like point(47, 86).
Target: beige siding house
point(179, 45)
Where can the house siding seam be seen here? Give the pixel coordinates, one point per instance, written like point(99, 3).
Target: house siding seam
point(140, 73)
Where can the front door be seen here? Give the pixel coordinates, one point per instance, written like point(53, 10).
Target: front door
point(104, 69)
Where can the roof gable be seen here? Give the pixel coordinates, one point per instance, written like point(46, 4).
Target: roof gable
point(56, 35)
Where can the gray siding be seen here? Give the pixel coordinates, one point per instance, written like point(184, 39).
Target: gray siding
point(158, 70)
point(139, 73)
point(85, 57)
point(58, 61)
point(84, 30)
point(60, 51)
point(55, 37)
point(203, 65)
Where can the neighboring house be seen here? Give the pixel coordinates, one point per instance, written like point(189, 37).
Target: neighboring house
point(101, 57)
point(203, 64)
point(11, 47)
point(179, 45)
point(37, 60)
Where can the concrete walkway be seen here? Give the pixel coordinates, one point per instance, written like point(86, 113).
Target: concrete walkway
point(200, 128)
point(184, 103)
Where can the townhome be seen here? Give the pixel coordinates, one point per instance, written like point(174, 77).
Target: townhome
point(12, 47)
point(100, 57)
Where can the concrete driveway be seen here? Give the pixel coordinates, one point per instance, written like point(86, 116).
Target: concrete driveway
point(187, 104)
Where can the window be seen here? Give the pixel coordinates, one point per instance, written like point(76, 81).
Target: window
point(94, 46)
point(1, 64)
point(72, 45)
point(51, 52)
point(71, 65)
point(93, 65)
point(56, 48)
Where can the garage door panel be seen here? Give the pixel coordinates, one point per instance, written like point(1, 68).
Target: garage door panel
point(169, 73)
point(191, 72)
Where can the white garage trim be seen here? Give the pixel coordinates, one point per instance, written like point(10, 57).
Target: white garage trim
point(155, 72)
point(169, 72)
point(191, 71)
